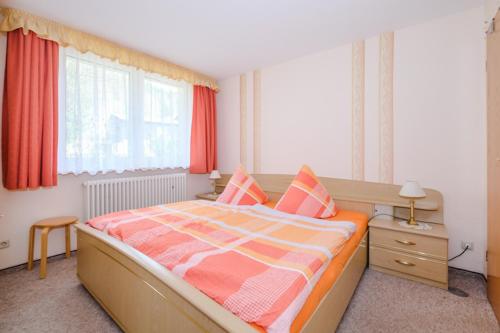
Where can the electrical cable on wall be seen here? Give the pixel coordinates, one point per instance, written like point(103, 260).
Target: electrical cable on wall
point(458, 255)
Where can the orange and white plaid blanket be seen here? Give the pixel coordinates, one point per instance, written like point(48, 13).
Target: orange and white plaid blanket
point(258, 263)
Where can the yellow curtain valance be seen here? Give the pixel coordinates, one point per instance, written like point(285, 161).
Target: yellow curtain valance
point(65, 36)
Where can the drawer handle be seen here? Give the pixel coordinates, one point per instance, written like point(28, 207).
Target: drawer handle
point(405, 242)
point(404, 263)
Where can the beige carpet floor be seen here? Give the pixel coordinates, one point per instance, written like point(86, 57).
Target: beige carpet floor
point(382, 303)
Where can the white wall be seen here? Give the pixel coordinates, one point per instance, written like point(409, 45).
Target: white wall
point(440, 122)
point(439, 118)
point(20, 209)
point(307, 102)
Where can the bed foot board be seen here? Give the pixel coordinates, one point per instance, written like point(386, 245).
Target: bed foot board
point(135, 299)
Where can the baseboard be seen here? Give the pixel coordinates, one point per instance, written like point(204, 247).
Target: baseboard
point(466, 270)
point(25, 265)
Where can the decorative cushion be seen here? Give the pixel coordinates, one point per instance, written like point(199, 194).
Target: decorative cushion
point(242, 189)
point(306, 196)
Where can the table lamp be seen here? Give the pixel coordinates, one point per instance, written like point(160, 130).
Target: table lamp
point(412, 190)
point(213, 176)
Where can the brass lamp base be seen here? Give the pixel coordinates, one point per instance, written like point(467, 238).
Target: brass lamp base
point(411, 220)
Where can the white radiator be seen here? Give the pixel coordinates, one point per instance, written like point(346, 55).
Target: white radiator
point(113, 195)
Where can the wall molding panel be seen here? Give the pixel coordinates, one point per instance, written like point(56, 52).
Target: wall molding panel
point(243, 120)
point(358, 110)
point(257, 121)
point(386, 107)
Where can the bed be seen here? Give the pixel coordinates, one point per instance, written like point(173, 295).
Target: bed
point(143, 296)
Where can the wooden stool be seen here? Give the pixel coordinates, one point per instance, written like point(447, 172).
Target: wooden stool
point(46, 226)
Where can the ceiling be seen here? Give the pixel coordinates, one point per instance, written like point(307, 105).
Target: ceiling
point(226, 37)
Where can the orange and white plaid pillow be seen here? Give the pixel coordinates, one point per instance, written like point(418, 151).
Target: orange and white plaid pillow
point(306, 196)
point(242, 189)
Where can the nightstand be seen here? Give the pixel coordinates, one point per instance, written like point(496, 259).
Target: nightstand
point(208, 196)
point(419, 255)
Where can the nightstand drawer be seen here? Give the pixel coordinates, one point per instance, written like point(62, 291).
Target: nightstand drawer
point(408, 264)
point(416, 244)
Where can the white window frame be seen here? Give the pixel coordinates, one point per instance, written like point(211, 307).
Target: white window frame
point(136, 105)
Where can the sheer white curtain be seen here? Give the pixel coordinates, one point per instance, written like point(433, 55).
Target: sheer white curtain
point(116, 118)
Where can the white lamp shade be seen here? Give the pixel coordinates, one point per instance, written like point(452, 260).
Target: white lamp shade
point(411, 189)
point(214, 174)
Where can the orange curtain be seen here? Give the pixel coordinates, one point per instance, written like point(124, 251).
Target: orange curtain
point(203, 131)
point(29, 117)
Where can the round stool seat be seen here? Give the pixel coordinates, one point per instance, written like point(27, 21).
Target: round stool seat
point(54, 222)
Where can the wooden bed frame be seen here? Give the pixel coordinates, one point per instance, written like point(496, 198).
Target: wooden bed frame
point(143, 296)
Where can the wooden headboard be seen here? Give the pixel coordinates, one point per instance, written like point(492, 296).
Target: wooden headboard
point(357, 195)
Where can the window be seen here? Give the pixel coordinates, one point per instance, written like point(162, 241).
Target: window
point(115, 118)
